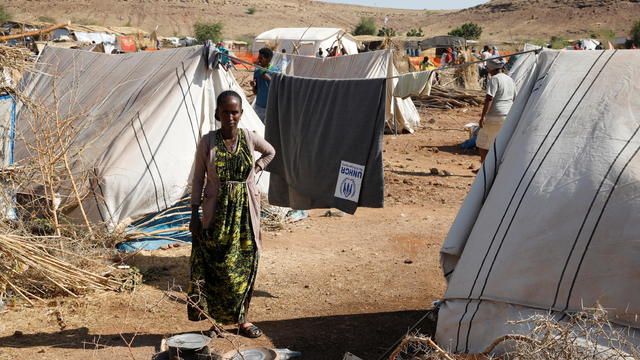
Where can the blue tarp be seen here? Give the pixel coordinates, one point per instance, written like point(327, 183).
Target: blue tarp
point(159, 227)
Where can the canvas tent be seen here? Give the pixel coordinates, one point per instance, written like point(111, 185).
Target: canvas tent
point(400, 115)
point(551, 222)
point(305, 41)
point(521, 71)
point(142, 115)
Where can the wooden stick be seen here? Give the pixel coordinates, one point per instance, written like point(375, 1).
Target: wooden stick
point(33, 33)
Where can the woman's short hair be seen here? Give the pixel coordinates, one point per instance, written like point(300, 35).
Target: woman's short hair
point(225, 94)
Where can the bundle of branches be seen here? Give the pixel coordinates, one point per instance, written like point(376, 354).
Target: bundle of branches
point(584, 335)
point(446, 98)
point(15, 58)
point(272, 217)
point(464, 77)
point(33, 268)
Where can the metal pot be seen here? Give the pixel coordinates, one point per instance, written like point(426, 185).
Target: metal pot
point(188, 347)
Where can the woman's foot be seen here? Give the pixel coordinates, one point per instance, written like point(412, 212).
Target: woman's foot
point(249, 330)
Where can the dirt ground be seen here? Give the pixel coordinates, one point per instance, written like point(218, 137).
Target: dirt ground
point(326, 285)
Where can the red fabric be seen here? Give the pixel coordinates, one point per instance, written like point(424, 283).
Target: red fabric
point(127, 44)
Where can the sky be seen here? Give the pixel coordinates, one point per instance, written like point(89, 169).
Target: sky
point(413, 4)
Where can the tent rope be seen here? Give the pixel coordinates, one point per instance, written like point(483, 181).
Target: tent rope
point(398, 76)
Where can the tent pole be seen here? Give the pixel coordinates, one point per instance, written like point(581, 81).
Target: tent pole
point(395, 120)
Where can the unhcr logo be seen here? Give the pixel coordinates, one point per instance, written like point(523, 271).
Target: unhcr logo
point(347, 188)
point(350, 177)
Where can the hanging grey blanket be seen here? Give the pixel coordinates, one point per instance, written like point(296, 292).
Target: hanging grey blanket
point(328, 140)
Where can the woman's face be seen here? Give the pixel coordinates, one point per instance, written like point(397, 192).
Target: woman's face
point(229, 112)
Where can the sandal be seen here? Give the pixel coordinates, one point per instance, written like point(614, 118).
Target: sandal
point(251, 332)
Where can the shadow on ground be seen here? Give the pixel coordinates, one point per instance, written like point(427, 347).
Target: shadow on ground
point(80, 338)
point(365, 335)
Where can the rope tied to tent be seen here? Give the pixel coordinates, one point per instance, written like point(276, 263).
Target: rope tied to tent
point(537, 51)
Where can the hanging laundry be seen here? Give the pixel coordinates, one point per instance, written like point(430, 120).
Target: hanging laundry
point(328, 140)
point(414, 84)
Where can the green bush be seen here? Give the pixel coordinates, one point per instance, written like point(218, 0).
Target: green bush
point(4, 15)
point(635, 32)
point(469, 31)
point(558, 42)
point(366, 26)
point(251, 11)
point(208, 31)
point(386, 32)
point(415, 32)
point(603, 34)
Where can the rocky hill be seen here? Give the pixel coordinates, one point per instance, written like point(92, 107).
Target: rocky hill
point(501, 19)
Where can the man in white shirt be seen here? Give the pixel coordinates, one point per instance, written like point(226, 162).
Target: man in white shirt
point(486, 54)
point(501, 92)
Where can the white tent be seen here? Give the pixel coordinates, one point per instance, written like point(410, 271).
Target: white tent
point(522, 69)
point(401, 114)
point(306, 41)
point(142, 115)
point(551, 222)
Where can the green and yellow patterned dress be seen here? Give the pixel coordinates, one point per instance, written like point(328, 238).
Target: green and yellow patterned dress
point(224, 259)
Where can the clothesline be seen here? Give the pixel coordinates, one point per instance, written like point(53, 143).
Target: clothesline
point(397, 76)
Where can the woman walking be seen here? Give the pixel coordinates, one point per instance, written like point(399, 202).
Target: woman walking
point(226, 241)
point(501, 93)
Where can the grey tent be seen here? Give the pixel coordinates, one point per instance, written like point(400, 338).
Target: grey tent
point(139, 118)
point(550, 224)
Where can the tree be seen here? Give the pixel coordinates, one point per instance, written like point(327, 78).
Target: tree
point(469, 31)
point(4, 15)
point(251, 10)
point(208, 31)
point(635, 32)
point(366, 26)
point(414, 32)
point(386, 32)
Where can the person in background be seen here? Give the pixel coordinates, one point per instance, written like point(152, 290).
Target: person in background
point(261, 81)
point(495, 52)
point(224, 60)
point(447, 57)
point(482, 67)
point(320, 54)
point(426, 64)
point(512, 60)
point(501, 92)
point(486, 54)
point(334, 52)
point(226, 242)
point(457, 56)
